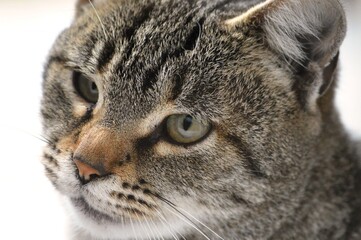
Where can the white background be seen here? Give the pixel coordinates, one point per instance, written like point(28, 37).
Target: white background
point(29, 207)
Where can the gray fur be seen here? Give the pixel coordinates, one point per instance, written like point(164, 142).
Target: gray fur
point(277, 163)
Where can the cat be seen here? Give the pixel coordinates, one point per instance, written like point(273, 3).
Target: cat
point(201, 119)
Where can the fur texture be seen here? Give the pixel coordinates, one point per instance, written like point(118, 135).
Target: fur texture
point(276, 163)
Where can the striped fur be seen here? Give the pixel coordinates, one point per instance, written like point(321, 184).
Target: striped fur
point(276, 163)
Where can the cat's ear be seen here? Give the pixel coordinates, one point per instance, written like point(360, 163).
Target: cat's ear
point(307, 33)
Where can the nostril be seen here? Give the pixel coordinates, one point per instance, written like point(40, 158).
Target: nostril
point(86, 172)
point(93, 176)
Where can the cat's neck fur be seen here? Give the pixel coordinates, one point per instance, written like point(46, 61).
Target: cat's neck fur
point(331, 204)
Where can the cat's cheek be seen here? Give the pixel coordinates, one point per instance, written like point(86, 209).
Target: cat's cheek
point(61, 171)
point(68, 183)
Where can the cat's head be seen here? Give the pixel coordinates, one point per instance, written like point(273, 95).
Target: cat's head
point(160, 111)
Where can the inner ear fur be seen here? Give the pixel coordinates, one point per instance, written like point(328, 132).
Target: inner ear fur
point(307, 34)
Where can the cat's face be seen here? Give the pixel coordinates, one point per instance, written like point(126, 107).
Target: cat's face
point(158, 112)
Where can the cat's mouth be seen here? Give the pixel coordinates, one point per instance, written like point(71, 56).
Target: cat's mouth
point(142, 226)
point(116, 206)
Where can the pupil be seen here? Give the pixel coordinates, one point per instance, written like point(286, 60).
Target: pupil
point(187, 122)
point(94, 86)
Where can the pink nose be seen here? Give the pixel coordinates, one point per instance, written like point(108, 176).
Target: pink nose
point(86, 172)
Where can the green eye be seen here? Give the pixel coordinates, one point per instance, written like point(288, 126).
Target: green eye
point(185, 129)
point(85, 87)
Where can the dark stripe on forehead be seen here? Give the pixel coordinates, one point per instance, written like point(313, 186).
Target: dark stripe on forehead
point(189, 44)
point(106, 55)
point(193, 19)
point(138, 21)
point(130, 31)
point(151, 75)
point(129, 34)
point(251, 164)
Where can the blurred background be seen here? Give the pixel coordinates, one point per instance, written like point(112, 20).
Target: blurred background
point(29, 207)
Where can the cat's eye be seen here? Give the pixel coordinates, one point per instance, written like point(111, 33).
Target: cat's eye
point(85, 87)
point(185, 129)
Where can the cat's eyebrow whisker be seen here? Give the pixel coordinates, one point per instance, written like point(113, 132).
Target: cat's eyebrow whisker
point(100, 20)
point(186, 220)
point(200, 32)
point(164, 221)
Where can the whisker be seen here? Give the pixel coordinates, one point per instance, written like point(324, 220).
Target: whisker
point(200, 32)
point(164, 221)
point(173, 206)
point(177, 232)
point(100, 21)
point(157, 230)
point(41, 137)
point(199, 222)
point(150, 229)
point(142, 225)
point(186, 220)
point(131, 223)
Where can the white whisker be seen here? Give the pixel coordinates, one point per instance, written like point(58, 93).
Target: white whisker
point(187, 221)
point(131, 223)
point(150, 229)
point(157, 230)
point(100, 21)
point(199, 221)
point(142, 225)
point(164, 221)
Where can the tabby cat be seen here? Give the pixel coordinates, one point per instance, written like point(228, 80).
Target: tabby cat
point(201, 119)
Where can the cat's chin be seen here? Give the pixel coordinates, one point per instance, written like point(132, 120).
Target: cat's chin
point(98, 225)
